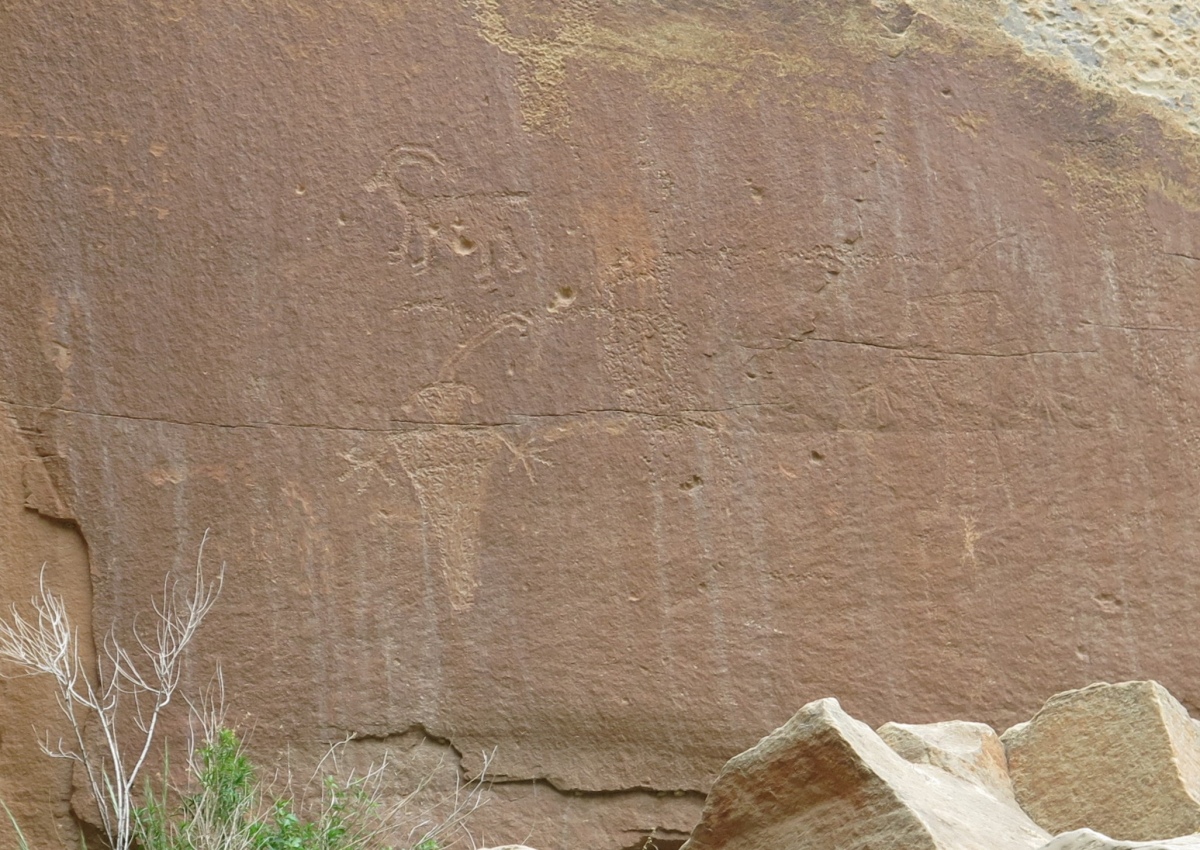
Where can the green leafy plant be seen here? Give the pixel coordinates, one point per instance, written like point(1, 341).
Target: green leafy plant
point(114, 711)
point(227, 805)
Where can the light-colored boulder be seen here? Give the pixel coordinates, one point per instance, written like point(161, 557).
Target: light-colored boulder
point(1087, 839)
point(826, 780)
point(970, 751)
point(1122, 759)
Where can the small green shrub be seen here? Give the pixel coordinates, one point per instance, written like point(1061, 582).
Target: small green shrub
point(228, 809)
point(227, 806)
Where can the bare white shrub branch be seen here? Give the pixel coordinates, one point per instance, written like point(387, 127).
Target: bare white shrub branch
point(47, 643)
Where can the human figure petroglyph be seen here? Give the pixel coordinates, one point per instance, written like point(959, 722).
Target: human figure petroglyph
point(442, 220)
point(447, 461)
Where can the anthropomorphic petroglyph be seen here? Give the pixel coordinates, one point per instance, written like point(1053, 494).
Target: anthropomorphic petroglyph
point(447, 460)
point(441, 220)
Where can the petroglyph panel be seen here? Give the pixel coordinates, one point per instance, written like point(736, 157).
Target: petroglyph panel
point(597, 382)
point(447, 462)
point(441, 221)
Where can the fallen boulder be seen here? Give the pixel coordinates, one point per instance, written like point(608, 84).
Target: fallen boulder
point(970, 751)
point(1087, 839)
point(1122, 759)
point(827, 780)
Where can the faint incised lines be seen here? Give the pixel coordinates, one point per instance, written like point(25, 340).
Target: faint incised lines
point(363, 466)
point(442, 221)
point(130, 203)
point(971, 536)
point(448, 468)
point(643, 342)
point(826, 259)
point(875, 407)
point(98, 137)
point(446, 374)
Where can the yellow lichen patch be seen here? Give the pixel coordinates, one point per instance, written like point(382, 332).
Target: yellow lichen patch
point(1149, 47)
point(542, 56)
point(387, 11)
point(1126, 59)
point(688, 58)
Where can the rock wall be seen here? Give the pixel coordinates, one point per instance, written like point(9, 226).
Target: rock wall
point(598, 381)
point(33, 534)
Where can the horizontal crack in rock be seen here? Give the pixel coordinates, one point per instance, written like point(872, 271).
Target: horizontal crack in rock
point(538, 781)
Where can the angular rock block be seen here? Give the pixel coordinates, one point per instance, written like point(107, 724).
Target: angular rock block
point(1087, 839)
point(970, 751)
point(1122, 759)
point(825, 780)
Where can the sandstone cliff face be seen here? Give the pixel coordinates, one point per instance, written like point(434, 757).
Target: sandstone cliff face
point(599, 381)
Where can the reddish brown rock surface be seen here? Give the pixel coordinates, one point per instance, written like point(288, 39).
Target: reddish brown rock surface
point(597, 382)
